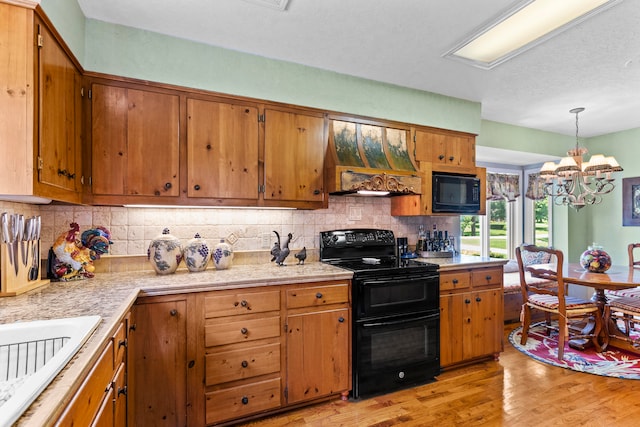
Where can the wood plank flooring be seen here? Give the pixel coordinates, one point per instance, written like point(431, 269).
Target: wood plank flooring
point(515, 391)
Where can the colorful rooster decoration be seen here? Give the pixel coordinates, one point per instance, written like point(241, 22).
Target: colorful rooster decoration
point(72, 259)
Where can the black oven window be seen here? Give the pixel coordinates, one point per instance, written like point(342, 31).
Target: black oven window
point(391, 295)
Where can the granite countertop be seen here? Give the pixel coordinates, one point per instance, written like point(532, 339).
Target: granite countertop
point(111, 295)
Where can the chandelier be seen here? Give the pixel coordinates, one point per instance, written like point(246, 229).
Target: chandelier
point(575, 183)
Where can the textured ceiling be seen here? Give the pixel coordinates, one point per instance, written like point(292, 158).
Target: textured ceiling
point(595, 64)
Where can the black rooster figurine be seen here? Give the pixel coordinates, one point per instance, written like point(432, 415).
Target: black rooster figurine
point(302, 255)
point(280, 251)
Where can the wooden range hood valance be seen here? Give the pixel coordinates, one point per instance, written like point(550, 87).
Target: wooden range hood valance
point(368, 157)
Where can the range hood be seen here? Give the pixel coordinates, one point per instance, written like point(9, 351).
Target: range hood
point(372, 159)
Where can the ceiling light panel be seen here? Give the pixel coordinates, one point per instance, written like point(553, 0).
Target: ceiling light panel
point(274, 4)
point(529, 23)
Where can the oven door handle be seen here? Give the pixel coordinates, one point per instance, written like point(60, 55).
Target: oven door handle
point(404, 279)
point(401, 321)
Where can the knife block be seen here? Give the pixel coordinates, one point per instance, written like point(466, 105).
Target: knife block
point(12, 283)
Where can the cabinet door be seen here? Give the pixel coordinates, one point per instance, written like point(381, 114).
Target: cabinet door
point(482, 323)
point(446, 152)
point(59, 118)
point(158, 379)
point(317, 354)
point(452, 320)
point(222, 147)
point(295, 146)
point(135, 142)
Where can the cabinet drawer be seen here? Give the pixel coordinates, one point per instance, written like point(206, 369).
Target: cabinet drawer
point(217, 332)
point(86, 402)
point(243, 400)
point(487, 277)
point(239, 364)
point(231, 304)
point(318, 296)
point(452, 280)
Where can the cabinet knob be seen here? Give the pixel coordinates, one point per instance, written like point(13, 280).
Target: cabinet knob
point(196, 187)
point(173, 312)
point(244, 363)
point(243, 303)
point(122, 390)
point(167, 186)
point(341, 319)
point(244, 331)
point(467, 301)
point(478, 299)
point(244, 400)
point(316, 192)
point(451, 158)
point(319, 295)
point(441, 156)
point(488, 277)
point(132, 327)
point(122, 343)
point(454, 281)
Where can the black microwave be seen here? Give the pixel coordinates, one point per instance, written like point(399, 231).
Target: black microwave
point(455, 194)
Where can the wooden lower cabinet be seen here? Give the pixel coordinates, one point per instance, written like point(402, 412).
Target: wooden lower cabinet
point(471, 314)
point(101, 399)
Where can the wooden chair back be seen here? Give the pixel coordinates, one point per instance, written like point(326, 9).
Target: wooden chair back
point(632, 261)
point(550, 271)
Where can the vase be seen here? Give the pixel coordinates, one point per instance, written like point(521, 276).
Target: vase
point(196, 254)
point(595, 259)
point(222, 255)
point(165, 253)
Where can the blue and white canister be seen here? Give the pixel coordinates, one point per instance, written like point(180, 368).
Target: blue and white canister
point(222, 255)
point(165, 253)
point(196, 254)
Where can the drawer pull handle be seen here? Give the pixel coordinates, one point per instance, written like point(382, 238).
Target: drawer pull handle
point(454, 281)
point(488, 277)
point(173, 312)
point(122, 343)
point(244, 363)
point(244, 331)
point(122, 390)
point(467, 301)
point(318, 295)
point(243, 303)
point(341, 319)
point(245, 400)
point(478, 299)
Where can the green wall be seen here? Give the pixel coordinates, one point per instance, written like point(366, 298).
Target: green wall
point(114, 49)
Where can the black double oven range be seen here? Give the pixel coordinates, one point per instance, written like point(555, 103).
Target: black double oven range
point(396, 314)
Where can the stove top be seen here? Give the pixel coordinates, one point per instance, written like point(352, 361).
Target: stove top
point(366, 249)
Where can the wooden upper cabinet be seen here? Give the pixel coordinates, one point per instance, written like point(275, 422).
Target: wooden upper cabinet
point(135, 142)
point(447, 151)
point(295, 146)
point(59, 118)
point(222, 150)
point(40, 104)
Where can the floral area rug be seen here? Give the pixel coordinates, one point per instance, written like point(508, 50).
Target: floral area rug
point(610, 363)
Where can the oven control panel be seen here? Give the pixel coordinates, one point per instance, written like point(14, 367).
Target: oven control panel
point(356, 237)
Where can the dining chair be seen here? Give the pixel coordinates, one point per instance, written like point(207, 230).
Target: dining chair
point(555, 300)
point(632, 261)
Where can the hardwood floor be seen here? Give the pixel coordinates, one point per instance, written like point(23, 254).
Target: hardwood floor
point(516, 391)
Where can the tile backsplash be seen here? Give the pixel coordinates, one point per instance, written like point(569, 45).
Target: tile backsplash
point(249, 229)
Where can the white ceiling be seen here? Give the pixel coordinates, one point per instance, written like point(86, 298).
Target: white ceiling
point(595, 64)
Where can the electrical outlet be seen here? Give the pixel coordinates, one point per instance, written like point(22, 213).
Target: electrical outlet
point(355, 213)
point(266, 240)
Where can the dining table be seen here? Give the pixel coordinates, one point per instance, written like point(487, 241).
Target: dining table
point(617, 277)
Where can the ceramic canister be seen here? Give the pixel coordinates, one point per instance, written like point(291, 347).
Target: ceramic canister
point(222, 255)
point(196, 254)
point(165, 253)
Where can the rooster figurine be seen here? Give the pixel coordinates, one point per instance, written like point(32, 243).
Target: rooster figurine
point(302, 255)
point(280, 250)
point(71, 258)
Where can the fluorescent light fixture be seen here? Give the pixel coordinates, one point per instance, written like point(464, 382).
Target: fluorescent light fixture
point(273, 4)
point(522, 27)
point(207, 207)
point(372, 193)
